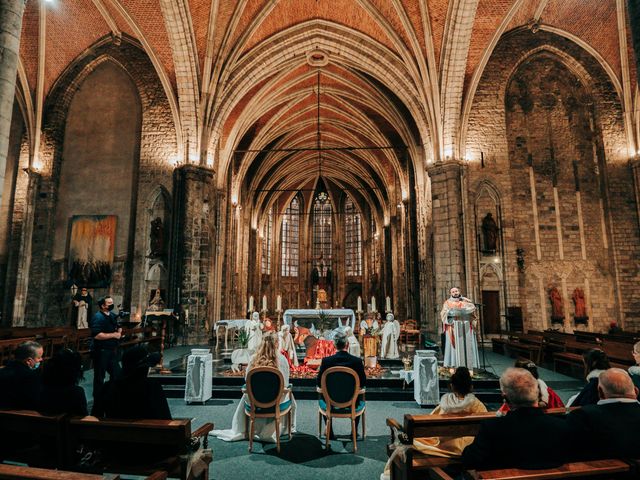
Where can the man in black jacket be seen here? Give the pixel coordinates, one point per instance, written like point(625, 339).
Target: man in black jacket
point(106, 336)
point(609, 429)
point(526, 437)
point(342, 358)
point(20, 382)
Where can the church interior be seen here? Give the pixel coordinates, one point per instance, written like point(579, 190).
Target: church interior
point(437, 184)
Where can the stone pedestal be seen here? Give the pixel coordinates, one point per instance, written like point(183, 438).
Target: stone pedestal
point(194, 250)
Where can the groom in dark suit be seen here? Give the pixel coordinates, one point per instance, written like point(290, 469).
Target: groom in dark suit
point(342, 358)
point(610, 428)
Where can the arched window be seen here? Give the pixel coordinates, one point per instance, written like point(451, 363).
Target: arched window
point(374, 245)
point(266, 243)
point(322, 231)
point(289, 239)
point(353, 239)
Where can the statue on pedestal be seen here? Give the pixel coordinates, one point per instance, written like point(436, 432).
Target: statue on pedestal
point(254, 329)
point(557, 310)
point(390, 336)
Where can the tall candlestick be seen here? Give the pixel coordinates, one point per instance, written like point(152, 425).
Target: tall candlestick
point(388, 305)
point(251, 303)
point(359, 304)
point(264, 302)
point(279, 303)
point(373, 304)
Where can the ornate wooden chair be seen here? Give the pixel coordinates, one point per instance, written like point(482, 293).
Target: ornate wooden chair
point(265, 388)
point(409, 332)
point(340, 389)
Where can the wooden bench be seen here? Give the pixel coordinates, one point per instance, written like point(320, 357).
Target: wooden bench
point(29, 437)
point(417, 465)
point(114, 439)
point(31, 473)
point(522, 344)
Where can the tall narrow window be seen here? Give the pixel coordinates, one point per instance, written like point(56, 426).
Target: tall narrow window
point(322, 253)
point(266, 243)
point(353, 239)
point(289, 236)
point(374, 245)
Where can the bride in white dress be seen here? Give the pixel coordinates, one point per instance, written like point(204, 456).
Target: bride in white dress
point(268, 355)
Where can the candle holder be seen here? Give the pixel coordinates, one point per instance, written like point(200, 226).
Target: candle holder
point(279, 321)
point(251, 310)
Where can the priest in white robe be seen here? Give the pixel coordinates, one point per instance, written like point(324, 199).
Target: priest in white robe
point(459, 324)
point(390, 336)
point(254, 329)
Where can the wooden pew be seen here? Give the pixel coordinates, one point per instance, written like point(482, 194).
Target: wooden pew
point(30, 473)
point(29, 437)
point(8, 347)
point(116, 440)
point(521, 344)
point(416, 465)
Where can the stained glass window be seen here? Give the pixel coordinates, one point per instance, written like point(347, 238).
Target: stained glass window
point(353, 239)
point(289, 239)
point(266, 243)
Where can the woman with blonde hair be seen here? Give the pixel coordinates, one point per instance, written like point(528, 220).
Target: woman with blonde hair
point(635, 370)
point(267, 355)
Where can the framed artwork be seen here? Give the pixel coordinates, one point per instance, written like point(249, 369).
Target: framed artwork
point(91, 250)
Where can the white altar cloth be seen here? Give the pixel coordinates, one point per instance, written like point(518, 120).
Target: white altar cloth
point(290, 314)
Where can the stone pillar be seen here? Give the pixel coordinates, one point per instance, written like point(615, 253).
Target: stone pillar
point(448, 232)
point(634, 21)
point(635, 173)
point(194, 249)
point(10, 28)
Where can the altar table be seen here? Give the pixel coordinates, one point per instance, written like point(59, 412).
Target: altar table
point(291, 314)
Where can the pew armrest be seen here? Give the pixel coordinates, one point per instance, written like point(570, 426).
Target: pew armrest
point(203, 432)
point(398, 434)
point(438, 473)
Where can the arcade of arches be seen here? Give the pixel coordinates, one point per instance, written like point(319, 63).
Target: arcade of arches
point(322, 151)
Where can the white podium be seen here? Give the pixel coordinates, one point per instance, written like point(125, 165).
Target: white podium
point(199, 381)
point(426, 383)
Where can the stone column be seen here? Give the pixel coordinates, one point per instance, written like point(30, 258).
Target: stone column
point(194, 249)
point(10, 28)
point(635, 172)
point(448, 232)
point(634, 21)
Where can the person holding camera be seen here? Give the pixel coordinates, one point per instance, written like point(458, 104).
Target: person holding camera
point(106, 336)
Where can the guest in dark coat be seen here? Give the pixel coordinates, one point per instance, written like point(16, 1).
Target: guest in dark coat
point(61, 392)
point(541, 439)
point(595, 362)
point(20, 380)
point(133, 395)
point(610, 428)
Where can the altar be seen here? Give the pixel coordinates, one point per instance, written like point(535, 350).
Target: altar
point(290, 315)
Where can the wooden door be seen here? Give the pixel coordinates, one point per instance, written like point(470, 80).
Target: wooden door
point(491, 311)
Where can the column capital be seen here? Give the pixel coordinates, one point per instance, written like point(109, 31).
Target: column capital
point(439, 168)
point(196, 172)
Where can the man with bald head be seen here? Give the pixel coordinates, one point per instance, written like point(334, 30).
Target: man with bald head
point(526, 437)
point(609, 429)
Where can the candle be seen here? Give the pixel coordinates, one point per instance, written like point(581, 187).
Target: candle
point(359, 304)
point(388, 304)
point(251, 303)
point(264, 302)
point(279, 303)
point(373, 304)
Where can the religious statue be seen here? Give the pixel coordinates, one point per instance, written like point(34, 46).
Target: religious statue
point(557, 310)
point(458, 317)
point(287, 345)
point(82, 308)
point(489, 233)
point(156, 304)
point(254, 330)
point(354, 345)
point(156, 238)
point(580, 308)
point(368, 326)
point(390, 336)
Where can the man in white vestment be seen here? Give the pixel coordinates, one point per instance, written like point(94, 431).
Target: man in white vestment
point(390, 336)
point(354, 345)
point(459, 322)
point(254, 329)
point(286, 343)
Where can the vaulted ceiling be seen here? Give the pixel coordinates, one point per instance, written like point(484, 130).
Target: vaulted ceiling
point(242, 76)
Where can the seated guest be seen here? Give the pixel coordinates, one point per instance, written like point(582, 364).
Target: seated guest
point(133, 395)
point(595, 362)
point(342, 358)
point(609, 429)
point(541, 439)
point(547, 398)
point(267, 355)
point(61, 392)
point(635, 370)
point(20, 383)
